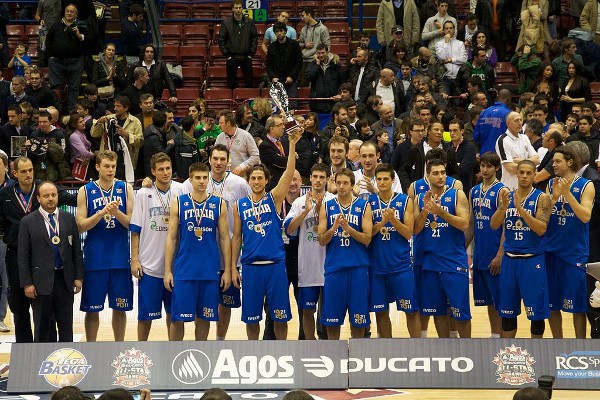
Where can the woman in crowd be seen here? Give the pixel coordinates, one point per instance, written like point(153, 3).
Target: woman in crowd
point(383, 147)
point(311, 125)
point(481, 40)
point(547, 84)
point(395, 62)
point(80, 146)
point(109, 72)
point(576, 90)
point(194, 112)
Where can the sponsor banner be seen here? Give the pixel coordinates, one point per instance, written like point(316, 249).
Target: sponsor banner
point(240, 365)
point(473, 363)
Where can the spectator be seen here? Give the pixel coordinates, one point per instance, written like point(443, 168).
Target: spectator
point(416, 133)
point(452, 53)
point(388, 123)
point(4, 91)
point(513, 147)
point(480, 40)
point(467, 34)
point(65, 47)
point(432, 99)
point(492, 122)
point(571, 124)
point(397, 56)
point(546, 83)
point(324, 74)
point(269, 38)
point(132, 35)
point(550, 141)
point(47, 14)
point(345, 92)
point(48, 154)
point(147, 107)
point(472, 117)
point(561, 63)
point(427, 65)
point(464, 152)
point(158, 74)
point(243, 152)
point(430, 7)
point(186, 150)
point(245, 120)
point(273, 152)
point(284, 61)
point(588, 136)
point(352, 109)
point(540, 112)
point(90, 92)
point(383, 147)
point(575, 89)
point(135, 90)
point(393, 15)
point(390, 91)
point(263, 108)
point(43, 95)
point(433, 31)
point(589, 19)
point(194, 112)
point(312, 34)
point(575, 8)
point(121, 132)
point(19, 96)
point(480, 68)
point(361, 75)
point(534, 27)
point(109, 72)
point(238, 41)
point(371, 109)
point(157, 140)
point(554, 11)
point(80, 147)
point(208, 132)
point(20, 60)
point(337, 125)
point(312, 132)
point(14, 127)
point(363, 130)
point(534, 132)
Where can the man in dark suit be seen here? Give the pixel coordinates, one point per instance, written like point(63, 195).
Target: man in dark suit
point(14, 127)
point(4, 91)
point(50, 264)
point(271, 150)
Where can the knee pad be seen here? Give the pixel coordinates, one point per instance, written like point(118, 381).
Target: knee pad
point(538, 327)
point(509, 324)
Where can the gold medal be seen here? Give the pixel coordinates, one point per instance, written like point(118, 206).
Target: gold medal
point(433, 225)
point(55, 240)
point(107, 217)
point(384, 230)
point(198, 232)
point(479, 215)
point(165, 219)
point(519, 224)
point(345, 234)
point(258, 228)
point(563, 212)
point(316, 228)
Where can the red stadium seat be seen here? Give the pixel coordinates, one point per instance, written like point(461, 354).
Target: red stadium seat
point(192, 56)
point(171, 34)
point(193, 76)
point(224, 10)
point(170, 54)
point(215, 57)
point(335, 9)
point(196, 34)
point(16, 34)
point(338, 32)
point(243, 94)
point(595, 89)
point(216, 77)
point(218, 98)
point(343, 51)
point(204, 11)
point(276, 7)
point(506, 73)
point(32, 34)
point(176, 11)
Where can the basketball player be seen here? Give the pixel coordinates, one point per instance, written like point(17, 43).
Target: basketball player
point(416, 188)
point(567, 242)
point(338, 152)
point(303, 221)
point(524, 213)
point(488, 250)
point(258, 227)
point(149, 224)
point(104, 209)
point(442, 214)
point(194, 221)
point(345, 225)
point(391, 276)
point(365, 176)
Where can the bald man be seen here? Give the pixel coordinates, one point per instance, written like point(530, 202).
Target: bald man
point(390, 90)
point(388, 123)
point(513, 147)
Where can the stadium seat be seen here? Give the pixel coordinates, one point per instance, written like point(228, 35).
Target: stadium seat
point(343, 51)
point(218, 98)
point(193, 77)
point(242, 94)
point(303, 92)
point(462, 8)
point(192, 56)
point(171, 34)
point(170, 54)
point(216, 77)
point(215, 57)
point(32, 34)
point(335, 9)
point(338, 32)
point(16, 34)
point(196, 35)
point(276, 7)
point(204, 11)
point(316, 5)
point(176, 11)
point(595, 89)
point(506, 74)
point(215, 36)
point(224, 10)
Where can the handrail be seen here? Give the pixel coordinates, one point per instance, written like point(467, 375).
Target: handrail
point(153, 22)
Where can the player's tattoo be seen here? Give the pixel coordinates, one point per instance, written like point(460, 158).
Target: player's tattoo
point(545, 209)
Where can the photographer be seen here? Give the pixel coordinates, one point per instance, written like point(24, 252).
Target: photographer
point(47, 148)
point(121, 132)
point(338, 125)
point(64, 44)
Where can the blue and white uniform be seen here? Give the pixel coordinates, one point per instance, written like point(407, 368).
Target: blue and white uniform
point(484, 203)
point(391, 276)
point(263, 260)
point(106, 253)
point(346, 268)
point(567, 242)
point(523, 265)
point(196, 283)
point(445, 264)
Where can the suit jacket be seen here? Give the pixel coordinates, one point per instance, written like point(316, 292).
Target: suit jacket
point(36, 257)
point(399, 96)
point(6, 132)
point(272, 158)
point(413, 167)
point(594, 176)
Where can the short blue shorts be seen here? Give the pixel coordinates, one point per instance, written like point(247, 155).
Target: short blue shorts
point(152, 294)
point(116, 283)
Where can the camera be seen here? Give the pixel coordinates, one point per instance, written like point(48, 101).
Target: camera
point(545, 383)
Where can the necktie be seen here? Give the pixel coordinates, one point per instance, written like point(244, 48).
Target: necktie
point(280, 147)
point(55, 250)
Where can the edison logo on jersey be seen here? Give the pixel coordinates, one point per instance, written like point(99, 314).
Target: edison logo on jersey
point(64, 367)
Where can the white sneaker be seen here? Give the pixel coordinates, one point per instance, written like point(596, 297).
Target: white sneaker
point(3, 327)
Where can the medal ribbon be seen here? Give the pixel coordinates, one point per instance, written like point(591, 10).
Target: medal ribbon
point(198, 219)
point(166, 208)
point(53, 226)
point(25, 205)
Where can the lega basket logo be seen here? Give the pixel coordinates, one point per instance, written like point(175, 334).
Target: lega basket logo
point(64, 367)
point(515, 366)
point(191, 366)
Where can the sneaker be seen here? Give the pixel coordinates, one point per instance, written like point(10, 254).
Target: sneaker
point(3, 327)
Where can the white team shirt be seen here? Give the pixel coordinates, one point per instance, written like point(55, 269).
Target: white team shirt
point(147, 220)
point(364, 193)
point(311, 255)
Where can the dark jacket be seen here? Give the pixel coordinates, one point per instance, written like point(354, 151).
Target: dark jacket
point(326, 135)
point(159, 79)
point(54, 164)
point(324, 83)
point(485, 72)
point(466, 158)
point(11, 212)
point(238, 38)
point(6, 132)
point(283, 60)
point(306, 157)
point(399, 98)
point(370, 74)
point(377, 126)
point(44, 96)
point(186, 153)
point(592, 174)
point(413, 167)
point(100, 74)
point(155, 141)
point(592, 141)
point(272, 158)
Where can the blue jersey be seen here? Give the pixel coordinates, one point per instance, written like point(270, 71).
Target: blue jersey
point(106, 245)
point(421, 187)
point(343, 251)
point(487, 240)
point(518, 237)
point(389, 250)
point(443, 245)
point(567, 237)
point(187, 265)
point(261, 231)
